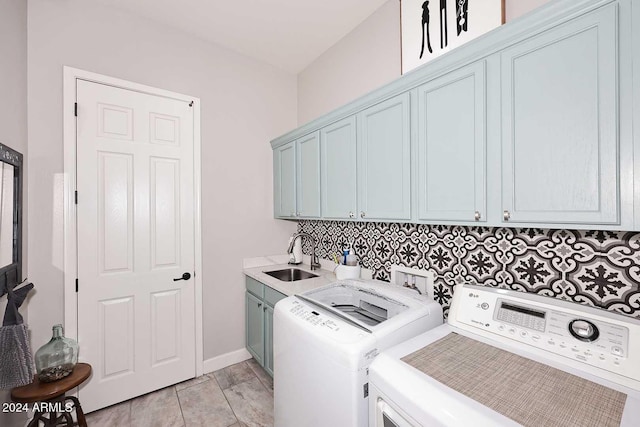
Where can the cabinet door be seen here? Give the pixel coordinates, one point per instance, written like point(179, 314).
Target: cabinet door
point(284, 180)
point(338, 169)
point(255, 327)
point(560, 120)
point(268, 339)
point(308, 176)
point(384, 160)
point(451, 146)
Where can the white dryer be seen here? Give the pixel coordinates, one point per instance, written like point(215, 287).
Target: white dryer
point(325, 340)
point(509, 358)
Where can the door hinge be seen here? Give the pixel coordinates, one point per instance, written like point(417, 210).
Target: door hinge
point(76, 285)
point(76, 197)
point(365, 389)
point(75, 109)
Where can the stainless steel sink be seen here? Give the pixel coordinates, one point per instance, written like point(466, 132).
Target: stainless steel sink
point(291, 274)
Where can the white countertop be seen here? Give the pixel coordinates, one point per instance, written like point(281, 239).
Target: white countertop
point(255, 268)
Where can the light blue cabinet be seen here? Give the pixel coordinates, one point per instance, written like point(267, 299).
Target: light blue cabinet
point(308, 176)
point(268, 339)
point(338, 169)
point(284, 180)
point(560, 123)
point(529, 125)
point(260, 301)
point(255, 326)
point(296, 170)
point(384, 160)
point(451, 144)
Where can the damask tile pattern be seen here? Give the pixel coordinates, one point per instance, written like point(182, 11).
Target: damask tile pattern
point(598, 268)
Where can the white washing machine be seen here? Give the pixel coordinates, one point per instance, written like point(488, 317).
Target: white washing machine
point(325, 340)
point(508, 358)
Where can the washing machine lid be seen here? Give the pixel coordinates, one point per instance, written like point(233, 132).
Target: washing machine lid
point(368, 304)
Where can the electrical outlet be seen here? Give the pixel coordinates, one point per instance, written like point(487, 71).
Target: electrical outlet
point(424, 278)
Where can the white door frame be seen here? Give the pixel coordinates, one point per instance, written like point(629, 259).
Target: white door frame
point(70, 252)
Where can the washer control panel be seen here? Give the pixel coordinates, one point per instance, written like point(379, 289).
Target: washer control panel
point(585, 334)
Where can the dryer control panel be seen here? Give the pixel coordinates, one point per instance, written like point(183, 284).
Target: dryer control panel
point(599, 338)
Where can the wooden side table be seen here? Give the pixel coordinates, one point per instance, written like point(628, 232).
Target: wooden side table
point(51, 397)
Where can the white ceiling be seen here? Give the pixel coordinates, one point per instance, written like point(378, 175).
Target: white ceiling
point(289, 34)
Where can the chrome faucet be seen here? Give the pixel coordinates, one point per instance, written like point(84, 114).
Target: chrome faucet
point(315, 263)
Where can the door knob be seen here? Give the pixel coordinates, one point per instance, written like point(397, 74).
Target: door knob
point(185, 276)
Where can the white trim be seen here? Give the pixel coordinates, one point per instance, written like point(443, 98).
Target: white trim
point(70, 252)
point(227, 359)
point(197, 182)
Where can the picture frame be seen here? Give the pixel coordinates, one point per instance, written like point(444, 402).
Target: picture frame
point(430, 28)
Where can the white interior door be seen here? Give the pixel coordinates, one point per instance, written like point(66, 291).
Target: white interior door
point(135, 219)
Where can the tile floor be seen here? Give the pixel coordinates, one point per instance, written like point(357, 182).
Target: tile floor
point(240, 395)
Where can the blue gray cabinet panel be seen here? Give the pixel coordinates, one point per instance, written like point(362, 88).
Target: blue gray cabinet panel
point(255, 327)
point(451, 146)
point(284, 172)
point(384, 160)
point(260, 300)
point(308, 176)
point(268, 339)
point(338, 165)
point(560, 121)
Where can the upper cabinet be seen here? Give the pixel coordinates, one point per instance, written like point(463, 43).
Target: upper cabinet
point(308, 176)
point(384, 160)
point(560, 124)
point(284, 180)
point(451, 146)
point(338, 166)
point(296, 177)
point(530, 125)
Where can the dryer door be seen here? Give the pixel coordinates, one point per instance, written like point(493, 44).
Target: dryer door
point(386, 416)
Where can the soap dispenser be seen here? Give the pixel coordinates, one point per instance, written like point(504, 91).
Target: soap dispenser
point(352, 259)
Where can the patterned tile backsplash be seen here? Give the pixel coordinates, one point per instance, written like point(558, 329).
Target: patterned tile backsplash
point(598, 268)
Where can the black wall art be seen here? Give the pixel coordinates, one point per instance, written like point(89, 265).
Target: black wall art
point(593, 267)
point(425, 26)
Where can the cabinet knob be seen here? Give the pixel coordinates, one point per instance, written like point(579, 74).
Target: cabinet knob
point(351, 215)
point(297, 213)
point(477, 216)
point(506, 215)
point(362, 215)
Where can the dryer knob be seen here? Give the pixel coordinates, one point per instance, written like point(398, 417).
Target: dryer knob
point(584, 330)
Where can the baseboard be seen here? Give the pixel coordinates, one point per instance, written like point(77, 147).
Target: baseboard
point(225, 360)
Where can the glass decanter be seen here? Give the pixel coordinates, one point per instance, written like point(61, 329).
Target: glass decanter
point(57, 358)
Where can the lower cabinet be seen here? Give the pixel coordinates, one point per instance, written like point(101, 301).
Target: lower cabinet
point(260, 300)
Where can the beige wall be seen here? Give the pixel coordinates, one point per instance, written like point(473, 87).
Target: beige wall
point(517, 8)
point(364, 60)
point(245, 103)
point(13, 113)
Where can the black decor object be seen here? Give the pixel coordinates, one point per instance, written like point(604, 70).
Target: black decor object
point(425, 28)
point(444, 40)
point(462, 15)
point(11, 272)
